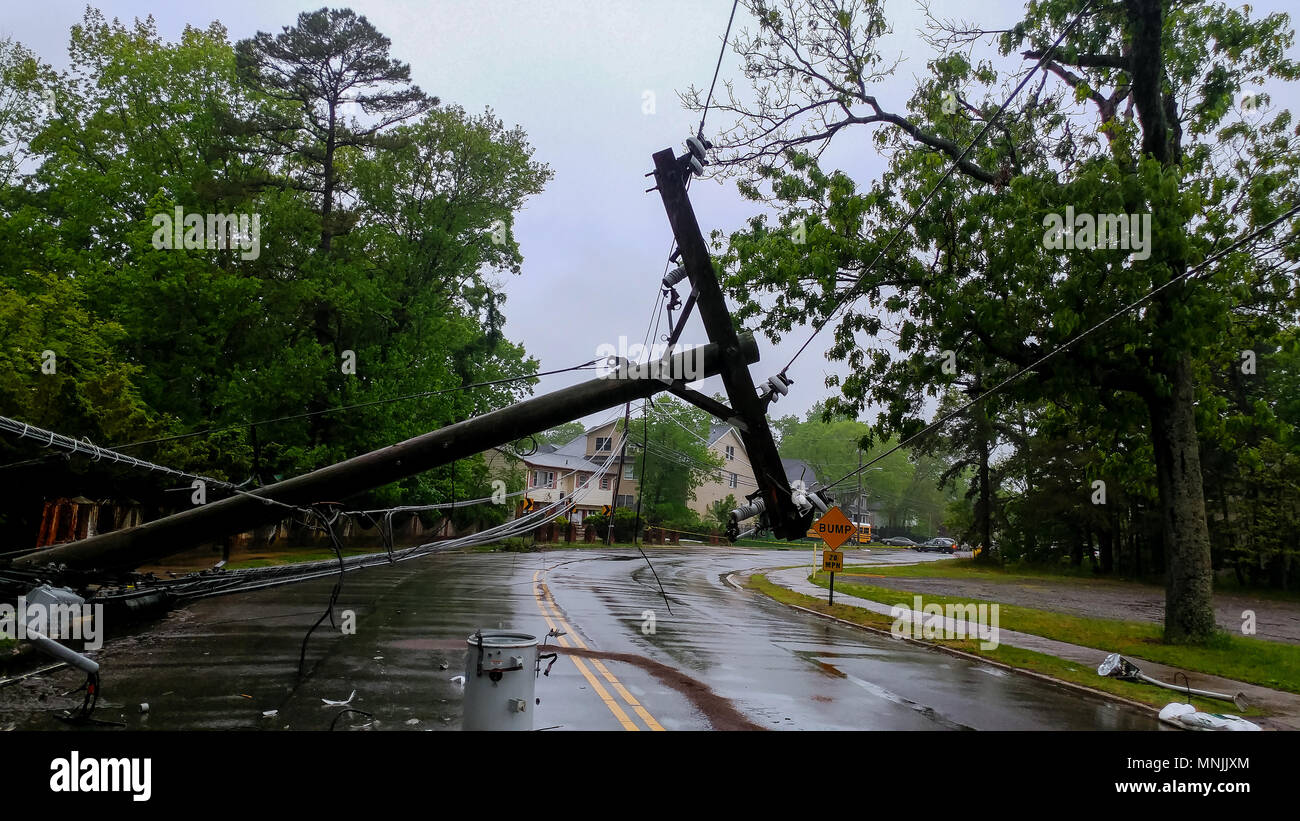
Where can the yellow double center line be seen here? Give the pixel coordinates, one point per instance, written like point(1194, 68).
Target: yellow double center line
point(549, 608)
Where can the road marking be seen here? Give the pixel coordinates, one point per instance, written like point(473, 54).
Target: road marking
point(619, 714)
point(544, 599)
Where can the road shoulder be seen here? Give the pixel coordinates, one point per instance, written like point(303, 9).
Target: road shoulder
point(1067, 664)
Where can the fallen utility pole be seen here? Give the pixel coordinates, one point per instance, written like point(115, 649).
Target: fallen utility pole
point(125, 550)
point(747, 408)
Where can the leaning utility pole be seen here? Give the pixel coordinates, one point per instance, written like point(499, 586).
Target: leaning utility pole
point(124, 550)
point(748, 412)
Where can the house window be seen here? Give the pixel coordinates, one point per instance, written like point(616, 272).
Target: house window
point(732, 481)
point(629, 471)
point(580, 479)
point(731, 453)
point(543, 478)
point(604, 483)
point(626, 501)
point(604, 443)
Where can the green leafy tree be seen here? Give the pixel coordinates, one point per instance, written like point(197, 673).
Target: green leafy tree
point(974, 273)
point(561, 434)
point(671, 458)
point(720, 511)
point(193, 345)
point(329, 58)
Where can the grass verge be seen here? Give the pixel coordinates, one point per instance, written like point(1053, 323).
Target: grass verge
point(1028, 574)
point(295, 557)
point(1266, 663)
point(1028, 660)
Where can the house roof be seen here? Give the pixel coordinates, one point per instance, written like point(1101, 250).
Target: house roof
point(796, 469)
point(559, 460)
point(716, 432)
point(577, 446)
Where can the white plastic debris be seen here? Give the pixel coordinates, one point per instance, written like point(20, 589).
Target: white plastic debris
point(144, 708)
point(458, 682)
point(331, 703)
point(270, 713)
point(1188, 717)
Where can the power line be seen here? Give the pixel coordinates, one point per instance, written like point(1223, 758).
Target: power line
point(419, 395)
point(667, 415)
point(1186, 275)
point(687, 461)
point(237, 581)
point(49, 438)
point(722, 51)
point(1047, 55)
point(422, 394)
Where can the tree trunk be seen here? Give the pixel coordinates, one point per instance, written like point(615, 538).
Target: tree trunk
point(327, 195)
point(1135, 547)
point(984, 509)
point(1189, 611)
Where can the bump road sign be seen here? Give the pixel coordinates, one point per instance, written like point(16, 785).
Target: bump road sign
point(834, 528)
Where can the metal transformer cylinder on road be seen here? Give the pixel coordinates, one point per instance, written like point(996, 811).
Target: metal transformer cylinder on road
point(500, 679)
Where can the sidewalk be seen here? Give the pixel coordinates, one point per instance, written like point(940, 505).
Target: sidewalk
point(1284, 707)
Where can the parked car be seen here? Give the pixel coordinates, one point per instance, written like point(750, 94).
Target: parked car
point(898, 541)
point(941, 544)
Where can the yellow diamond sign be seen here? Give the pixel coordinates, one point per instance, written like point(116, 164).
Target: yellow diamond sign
point(834, 528)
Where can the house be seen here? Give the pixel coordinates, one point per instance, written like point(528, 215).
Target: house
point(736, 477)
point(69, 519)
point(558, 472)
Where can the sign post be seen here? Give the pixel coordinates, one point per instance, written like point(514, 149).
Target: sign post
point(834, 528)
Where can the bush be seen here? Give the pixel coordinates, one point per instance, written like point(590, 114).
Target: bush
point(515, 544)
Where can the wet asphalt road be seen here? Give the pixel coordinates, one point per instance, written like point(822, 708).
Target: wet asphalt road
point(221, 663)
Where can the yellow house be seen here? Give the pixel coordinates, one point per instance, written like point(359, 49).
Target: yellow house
point(736, 476)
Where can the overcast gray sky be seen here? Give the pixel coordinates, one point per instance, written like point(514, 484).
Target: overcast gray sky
point(574, 75)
